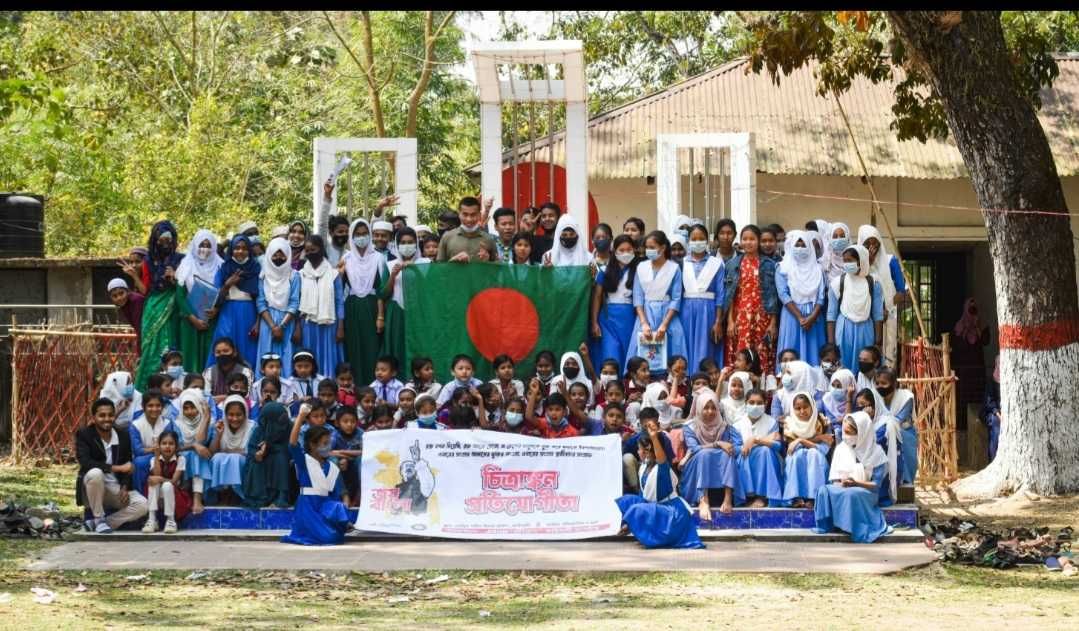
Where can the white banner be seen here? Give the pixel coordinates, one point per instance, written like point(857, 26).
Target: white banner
point(474, 484)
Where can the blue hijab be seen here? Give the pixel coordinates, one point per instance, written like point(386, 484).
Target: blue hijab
point(249, 271)
point(157, 260)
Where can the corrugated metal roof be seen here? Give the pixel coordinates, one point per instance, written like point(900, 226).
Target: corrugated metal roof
point(797, 132)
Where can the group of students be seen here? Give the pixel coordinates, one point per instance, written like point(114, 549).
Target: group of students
point(208, 410)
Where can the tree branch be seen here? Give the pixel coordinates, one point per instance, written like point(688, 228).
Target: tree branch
point(373, 90)
point(430, 40)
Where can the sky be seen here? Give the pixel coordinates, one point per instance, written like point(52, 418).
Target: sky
point(481, 26)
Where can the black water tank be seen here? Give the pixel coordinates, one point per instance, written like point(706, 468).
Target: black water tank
point(22, 225)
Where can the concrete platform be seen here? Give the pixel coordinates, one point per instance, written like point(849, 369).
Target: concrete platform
point(626, 555)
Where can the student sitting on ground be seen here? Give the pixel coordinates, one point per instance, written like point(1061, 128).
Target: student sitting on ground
point(809, 440)
point(144, 432)
point(386, 384)
point(266, 474)
point(423, 377)
point(555, 423)
point(327, 396)
point(105, 467)
point(711, 460)
point(760, 472)
point(193, 426)
point(849, 503)
point(319, 517)
point(163, 485)
point(229, 447)
point(406, 407)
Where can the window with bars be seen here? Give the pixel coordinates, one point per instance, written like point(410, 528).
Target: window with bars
point(923, 280)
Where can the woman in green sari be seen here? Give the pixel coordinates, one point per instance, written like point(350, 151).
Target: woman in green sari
point(364, 272)
point(196, 334)
point(161, 314)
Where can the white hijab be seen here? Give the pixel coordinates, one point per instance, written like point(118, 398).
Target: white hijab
point(759, 428)
point(277, 279)
point(189, 427)
point(838, 408)
point(882, 417)
point(881, 269)
point(362, 269)
point(860, 461)
point(734, 408)
point(231, 440)
point(650, 399)
point(578, 254)
point(804, 381)
point(580, 378)
point(125, 408)
point(795, 427)
point(857, 303)
point(191, 265)
point(317, 292)
point(805, 278)
point(834, 262)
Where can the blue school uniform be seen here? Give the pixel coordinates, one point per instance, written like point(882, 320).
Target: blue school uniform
point(616, 320)
point(761, 473)
point(657, 293)
point(852, 337)
point(908, 445)
point(703, 293)
point(321, 339)
point(791, 333)
point(854, 510)
point(351, 474)
point(319, 518)
point(658, 518)
point(266, 341)
point(806, 471)
point(140, 460)
point(227, 469)
point(708, 468)
point(235, 319)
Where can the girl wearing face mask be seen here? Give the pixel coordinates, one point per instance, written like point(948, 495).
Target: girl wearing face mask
point(601, 247)
point(119, 389)
point(837, 240)
point(321, 327)
point(855, 307)
point(237, 315)
point(200, 265)
point(898, 403)
point(797, 377)
point(750, 300)
point(613, 314)
point(277, 303)
point(364, 275)
point(657, 298)
point(571, 370)
point(809, 439)
point(800, 284)
point(655, 397)
point(161, 314)
point(702, 300)
point(570, 249)
point(888, 436)
point(850, 502)
point(760, 474)
point(319, 518)
point(838, 400)
point(393, 294)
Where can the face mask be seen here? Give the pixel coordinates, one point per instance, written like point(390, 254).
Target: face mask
point(839, 244)
point(801, 254)
point(323, 451)
point(678, 259)
point(606, 379)
point(788, 382)
point(225, 360)
point(866, 367)
point(175, 372)
point(279, 262)
point(571, 373)
point(884, 390)
point(407, 250)
point(315, 258)
point(470, 229)
point(651, 255)
point(682, 233)
point(601, 245)
point(696, 247)
point(838, 394)
point(851, 268)
point(625, 258)
point(663, 406)
point(850, 441)
point(546, 379)
point(427, 420)
point(568, 242)
point(239, 261)
point(754, 411)
point(204, 252)
point(513, 419)
point(340, 240)
point(128, 391)
point(362, 241)
point(827, 367)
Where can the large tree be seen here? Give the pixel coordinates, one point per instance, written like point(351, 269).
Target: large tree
point(962, 72)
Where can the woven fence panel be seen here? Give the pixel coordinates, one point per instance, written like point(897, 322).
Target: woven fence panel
point(924, 366)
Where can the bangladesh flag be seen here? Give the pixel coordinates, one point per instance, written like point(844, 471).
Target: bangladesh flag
point(486, 309)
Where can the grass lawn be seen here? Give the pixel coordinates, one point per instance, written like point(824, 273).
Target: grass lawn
point(936, 596)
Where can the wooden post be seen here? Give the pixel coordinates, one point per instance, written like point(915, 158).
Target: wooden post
point(15, 451)
point(949, 411)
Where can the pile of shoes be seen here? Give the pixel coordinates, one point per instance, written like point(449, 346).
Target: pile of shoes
point(964, 542)
point(41, 522)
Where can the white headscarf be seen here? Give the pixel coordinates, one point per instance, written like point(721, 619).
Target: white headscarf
point(277, 279)
point(880, 269)
point(805, 278)
point(317, 292)
point(707, 433)
point(682, 220)
point(578, 254)
point(231, 440)
point(804, 381)
point(833, 263)
point(191, 265)
point(362, 269)
point(125, 408)
point(733, 408)
point(759, 428)
point(857, 303)
point(580, 378)
point(119, 282)
point(860, 461)
point(650, 399)
point(795, 427)
point(838, 408)
point(189, 427)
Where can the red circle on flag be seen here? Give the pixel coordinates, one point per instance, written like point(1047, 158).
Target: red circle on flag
point(502, 320)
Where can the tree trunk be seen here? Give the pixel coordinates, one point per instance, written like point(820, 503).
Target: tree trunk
point(1012, 168)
